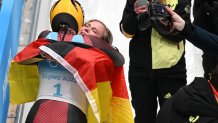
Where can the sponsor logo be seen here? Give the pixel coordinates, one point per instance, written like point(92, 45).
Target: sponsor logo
point(193, 119)
point(187, 9)
point(167, 96)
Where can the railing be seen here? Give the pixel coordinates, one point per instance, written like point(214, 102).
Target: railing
point(10, 20)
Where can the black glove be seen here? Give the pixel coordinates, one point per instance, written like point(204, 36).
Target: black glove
point(160, 18)
point(158, 11)
point(143, 21)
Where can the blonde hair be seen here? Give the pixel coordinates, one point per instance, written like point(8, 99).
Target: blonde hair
point(107, 35)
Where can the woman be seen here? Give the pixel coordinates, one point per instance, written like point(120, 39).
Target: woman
point(97, 28)
point(197, 102)
point(58, 89)
point(157, 64)
point(68, 79)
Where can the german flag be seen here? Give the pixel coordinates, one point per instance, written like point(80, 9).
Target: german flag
point(96, 66)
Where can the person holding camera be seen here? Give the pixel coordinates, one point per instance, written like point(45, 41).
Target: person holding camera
point(157, 64)
point(201, 38)
point(196, 102)
point(193, 103)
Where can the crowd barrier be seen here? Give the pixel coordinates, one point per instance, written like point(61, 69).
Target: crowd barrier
point(10, 21)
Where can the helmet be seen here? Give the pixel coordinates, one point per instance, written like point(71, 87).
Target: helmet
point(68, 12)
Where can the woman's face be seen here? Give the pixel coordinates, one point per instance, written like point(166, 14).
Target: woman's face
point(93, 28)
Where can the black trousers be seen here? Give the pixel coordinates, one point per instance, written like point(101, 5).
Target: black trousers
point(146, 90)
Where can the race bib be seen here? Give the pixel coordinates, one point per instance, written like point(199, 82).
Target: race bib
point(56, 83)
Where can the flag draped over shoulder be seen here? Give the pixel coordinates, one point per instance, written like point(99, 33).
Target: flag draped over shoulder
point(96, 66)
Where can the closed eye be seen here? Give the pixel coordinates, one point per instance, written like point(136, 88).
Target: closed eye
point(94, 30)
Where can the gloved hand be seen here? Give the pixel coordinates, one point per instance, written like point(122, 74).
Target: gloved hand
point(158, 11)
point(143, 21)
point(156, 15)
point(161, 19)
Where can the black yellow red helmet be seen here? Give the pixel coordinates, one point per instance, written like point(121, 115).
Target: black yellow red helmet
point(68, 12)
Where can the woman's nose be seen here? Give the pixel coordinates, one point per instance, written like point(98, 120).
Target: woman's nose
point(87, 29)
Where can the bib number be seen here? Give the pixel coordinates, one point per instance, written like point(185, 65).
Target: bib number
point(58, 90)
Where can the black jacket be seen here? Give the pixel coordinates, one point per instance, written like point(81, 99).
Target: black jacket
point(140, 50)
point(201, 38)
point(205, 14)
point(194, 103)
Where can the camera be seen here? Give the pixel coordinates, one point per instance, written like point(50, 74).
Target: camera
point(157, 16)
point(160, 18)
point(157, 11)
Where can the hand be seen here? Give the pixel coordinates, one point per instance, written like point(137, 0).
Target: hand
point(178, 22)
point(140, 9)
